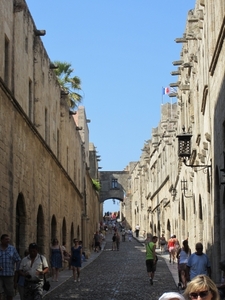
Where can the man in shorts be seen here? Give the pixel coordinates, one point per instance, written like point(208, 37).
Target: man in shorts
point(33, 267)
point(8, 257)
point(151, 258)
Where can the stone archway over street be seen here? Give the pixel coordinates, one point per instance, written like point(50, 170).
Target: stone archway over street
point(113, 185)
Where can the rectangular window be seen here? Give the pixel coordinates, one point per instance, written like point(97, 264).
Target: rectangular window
point(114, 183)
point(6, 62)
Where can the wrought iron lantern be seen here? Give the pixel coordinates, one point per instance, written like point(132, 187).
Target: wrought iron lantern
point(184, 144)
point(184, 149)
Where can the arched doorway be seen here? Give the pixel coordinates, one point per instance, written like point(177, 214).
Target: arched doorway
point(20, 224)
point(71, 235)
point(64, 231)
point(158, 229)
point(53, 228)
point(200, 220)
point(168, 230)
point(40, 229)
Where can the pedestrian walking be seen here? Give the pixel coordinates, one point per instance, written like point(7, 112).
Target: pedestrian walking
point(198, 263)
point(182, 256)
point(76, 255)
point(171, 248)
point(33, 267)
point(130, 235)
point(176, 244)
point(201, 287)
point(117, 241)
point(137, 229)
point(8, 258)
point(171, 296)
point(56, 259)
point(114, 247)
point(151, 258)
point(96, 241)
point(123, 235)
point(162, 241)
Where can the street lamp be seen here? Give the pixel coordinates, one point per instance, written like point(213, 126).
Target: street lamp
point(184, 149)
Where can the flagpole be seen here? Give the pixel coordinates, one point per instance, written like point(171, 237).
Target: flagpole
point(162, 94)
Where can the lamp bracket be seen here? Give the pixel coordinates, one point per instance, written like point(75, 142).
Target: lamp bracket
point(196, 166)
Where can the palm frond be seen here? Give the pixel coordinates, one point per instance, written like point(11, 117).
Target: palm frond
point(67, 82)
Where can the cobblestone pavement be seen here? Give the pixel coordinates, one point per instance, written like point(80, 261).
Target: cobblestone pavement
point(118, 275)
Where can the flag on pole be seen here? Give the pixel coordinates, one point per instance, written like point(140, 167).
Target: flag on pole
point(165, 91)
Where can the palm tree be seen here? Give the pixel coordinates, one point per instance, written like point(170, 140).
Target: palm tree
point(68, 83)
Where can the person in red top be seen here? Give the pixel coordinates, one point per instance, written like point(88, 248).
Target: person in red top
point(171, 248)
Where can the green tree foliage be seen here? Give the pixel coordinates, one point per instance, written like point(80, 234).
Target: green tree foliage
point(69, 83)
point(96, 185)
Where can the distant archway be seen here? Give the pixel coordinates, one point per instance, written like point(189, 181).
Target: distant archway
point(113, 185)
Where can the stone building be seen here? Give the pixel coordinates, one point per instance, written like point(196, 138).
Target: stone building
point(152, 176)
point(186, 198)
point(46, 188)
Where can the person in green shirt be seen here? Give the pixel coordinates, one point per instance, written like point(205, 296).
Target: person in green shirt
point(151, 258)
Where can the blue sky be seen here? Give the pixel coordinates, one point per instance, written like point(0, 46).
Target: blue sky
point(122, 50)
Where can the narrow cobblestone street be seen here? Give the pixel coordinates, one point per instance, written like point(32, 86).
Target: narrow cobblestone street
point(117, 275)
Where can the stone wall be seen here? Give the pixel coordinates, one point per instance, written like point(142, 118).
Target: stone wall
point(196, 211)
point(46, 189)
